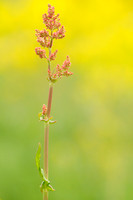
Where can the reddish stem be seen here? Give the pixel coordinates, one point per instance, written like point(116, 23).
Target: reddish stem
point(46, 139)
point(50, 100)
point(46, 132)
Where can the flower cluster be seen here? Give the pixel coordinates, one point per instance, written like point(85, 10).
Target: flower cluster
point(45, 42)
point(52, 22)
point(60, 71)
point(59, 34)
point(40, 52)
point(45, 38)
point(42, 33)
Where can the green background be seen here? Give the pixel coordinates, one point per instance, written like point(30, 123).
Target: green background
point(91, 145)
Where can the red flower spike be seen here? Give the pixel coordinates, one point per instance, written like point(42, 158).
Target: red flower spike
point(51, 21)
point(45, 37)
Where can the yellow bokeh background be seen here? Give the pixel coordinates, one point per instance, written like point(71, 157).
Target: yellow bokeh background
point(91, 146)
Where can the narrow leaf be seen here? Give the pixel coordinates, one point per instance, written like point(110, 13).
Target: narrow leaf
point(52, 122)
point(45, 185)
point(38, 155)
point(50, 188)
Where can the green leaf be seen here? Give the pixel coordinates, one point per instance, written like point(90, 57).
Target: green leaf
point(38, 156)
point(50, 188)
point(45, 185)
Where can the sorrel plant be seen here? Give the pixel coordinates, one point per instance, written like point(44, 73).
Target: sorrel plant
point(45, 38)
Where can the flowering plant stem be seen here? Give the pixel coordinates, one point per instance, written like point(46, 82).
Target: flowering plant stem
point(45, 38)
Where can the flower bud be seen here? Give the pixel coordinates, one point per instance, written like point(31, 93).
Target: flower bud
point(44, 109)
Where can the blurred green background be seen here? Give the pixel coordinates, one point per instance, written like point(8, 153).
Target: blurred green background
point(91, 145)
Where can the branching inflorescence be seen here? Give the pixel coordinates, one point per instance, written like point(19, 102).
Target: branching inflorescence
point(54, 30)
point(45, 39)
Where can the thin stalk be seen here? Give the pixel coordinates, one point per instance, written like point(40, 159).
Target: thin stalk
point(46, 140)
point(45, 196)
point(46, 143)
point(46, 131)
